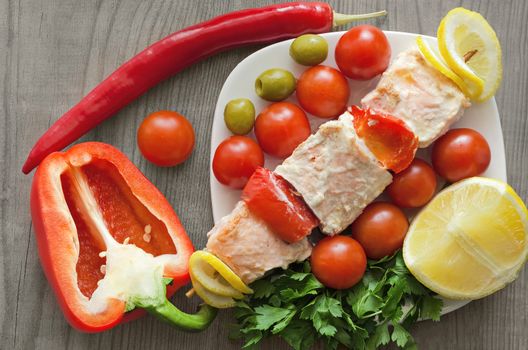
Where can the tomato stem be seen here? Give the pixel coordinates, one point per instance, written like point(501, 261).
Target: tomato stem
point(342, 19)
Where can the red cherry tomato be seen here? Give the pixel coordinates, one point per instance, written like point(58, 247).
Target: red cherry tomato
point(363, 52)
point(413, 187)
point(338, 262)
point(165, 138)
point(460, 153)
point(271, 198)
point(235, 160)
point(280, 128)
point(323, 91)
point(380, 229)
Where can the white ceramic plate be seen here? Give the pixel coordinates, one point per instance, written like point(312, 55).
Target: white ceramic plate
point(483, 117)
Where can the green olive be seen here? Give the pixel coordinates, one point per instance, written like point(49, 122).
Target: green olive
point(239, 116)
point(309, 49)
point(275, 84)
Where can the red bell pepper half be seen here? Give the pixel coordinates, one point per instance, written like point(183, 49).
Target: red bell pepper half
point(99, 225)
point(387, 137)
point(271, 198)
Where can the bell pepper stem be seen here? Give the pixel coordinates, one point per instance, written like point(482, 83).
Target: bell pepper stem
point(342, 19)
point(170, 314)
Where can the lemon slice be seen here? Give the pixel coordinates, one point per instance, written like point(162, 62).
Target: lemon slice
point(470, 240)
point(216, 276)
point(210, 298)
point(432, 56)
point(207, 276)
point(470, 47)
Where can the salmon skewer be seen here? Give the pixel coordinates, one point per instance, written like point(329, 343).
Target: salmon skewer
point(338, 173)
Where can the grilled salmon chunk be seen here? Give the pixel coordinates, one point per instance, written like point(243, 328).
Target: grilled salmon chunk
point(336, 174)
point(249, 247)
point(414, 91)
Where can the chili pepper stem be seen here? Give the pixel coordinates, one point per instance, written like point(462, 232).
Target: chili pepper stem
point(169, 313)
point(342, 19)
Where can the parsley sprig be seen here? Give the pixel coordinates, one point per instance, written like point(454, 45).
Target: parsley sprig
point(294, 305)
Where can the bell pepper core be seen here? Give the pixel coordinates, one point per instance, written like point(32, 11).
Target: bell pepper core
point(109, 241)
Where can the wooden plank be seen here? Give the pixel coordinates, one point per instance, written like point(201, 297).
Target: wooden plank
point(53, 52)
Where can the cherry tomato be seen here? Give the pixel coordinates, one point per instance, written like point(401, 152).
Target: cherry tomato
point(165, 138)
point(271, 198)
point(323, 91)
point(280, 128)
point(460, 153)
point(363, 52)
point(338, 262)
point(235, 160)
point(413, 187)
point(380, 229)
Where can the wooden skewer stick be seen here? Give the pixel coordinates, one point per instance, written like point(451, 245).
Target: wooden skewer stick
point(469, 55)
point(190, 293)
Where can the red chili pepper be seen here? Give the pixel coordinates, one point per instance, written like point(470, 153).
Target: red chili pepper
point(177, 51)
point(387, 137)
point(86, 204)
point(271, 198)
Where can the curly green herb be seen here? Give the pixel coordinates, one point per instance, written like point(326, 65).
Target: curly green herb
point(295, 306)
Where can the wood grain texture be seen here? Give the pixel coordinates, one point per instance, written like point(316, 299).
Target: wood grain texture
point(53, 52)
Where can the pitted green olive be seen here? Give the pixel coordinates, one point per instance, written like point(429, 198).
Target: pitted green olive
point(275, 84)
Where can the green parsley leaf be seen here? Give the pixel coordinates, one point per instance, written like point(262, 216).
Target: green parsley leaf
point(309, 287)
point(327, 330)
point(299, 335)
point(431, 308)
point(413, 286)
point(284, 323)
point(262, 289)
point(275, 300)
point(363, 301)
point(253, 339)
point(394, 296)
point(299, 276)
point(267, 315)
point(380, 337)
point(400, 335)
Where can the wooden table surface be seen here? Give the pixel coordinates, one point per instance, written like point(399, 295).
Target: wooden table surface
point(53, 52)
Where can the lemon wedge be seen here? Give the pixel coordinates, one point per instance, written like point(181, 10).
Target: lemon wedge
point(470, 47)
point(470, 240)
point(432, 56)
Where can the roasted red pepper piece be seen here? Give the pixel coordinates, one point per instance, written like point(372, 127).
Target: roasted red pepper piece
point(179, 50)
point(91, 197)
point(387, 137)
point(271, 198)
